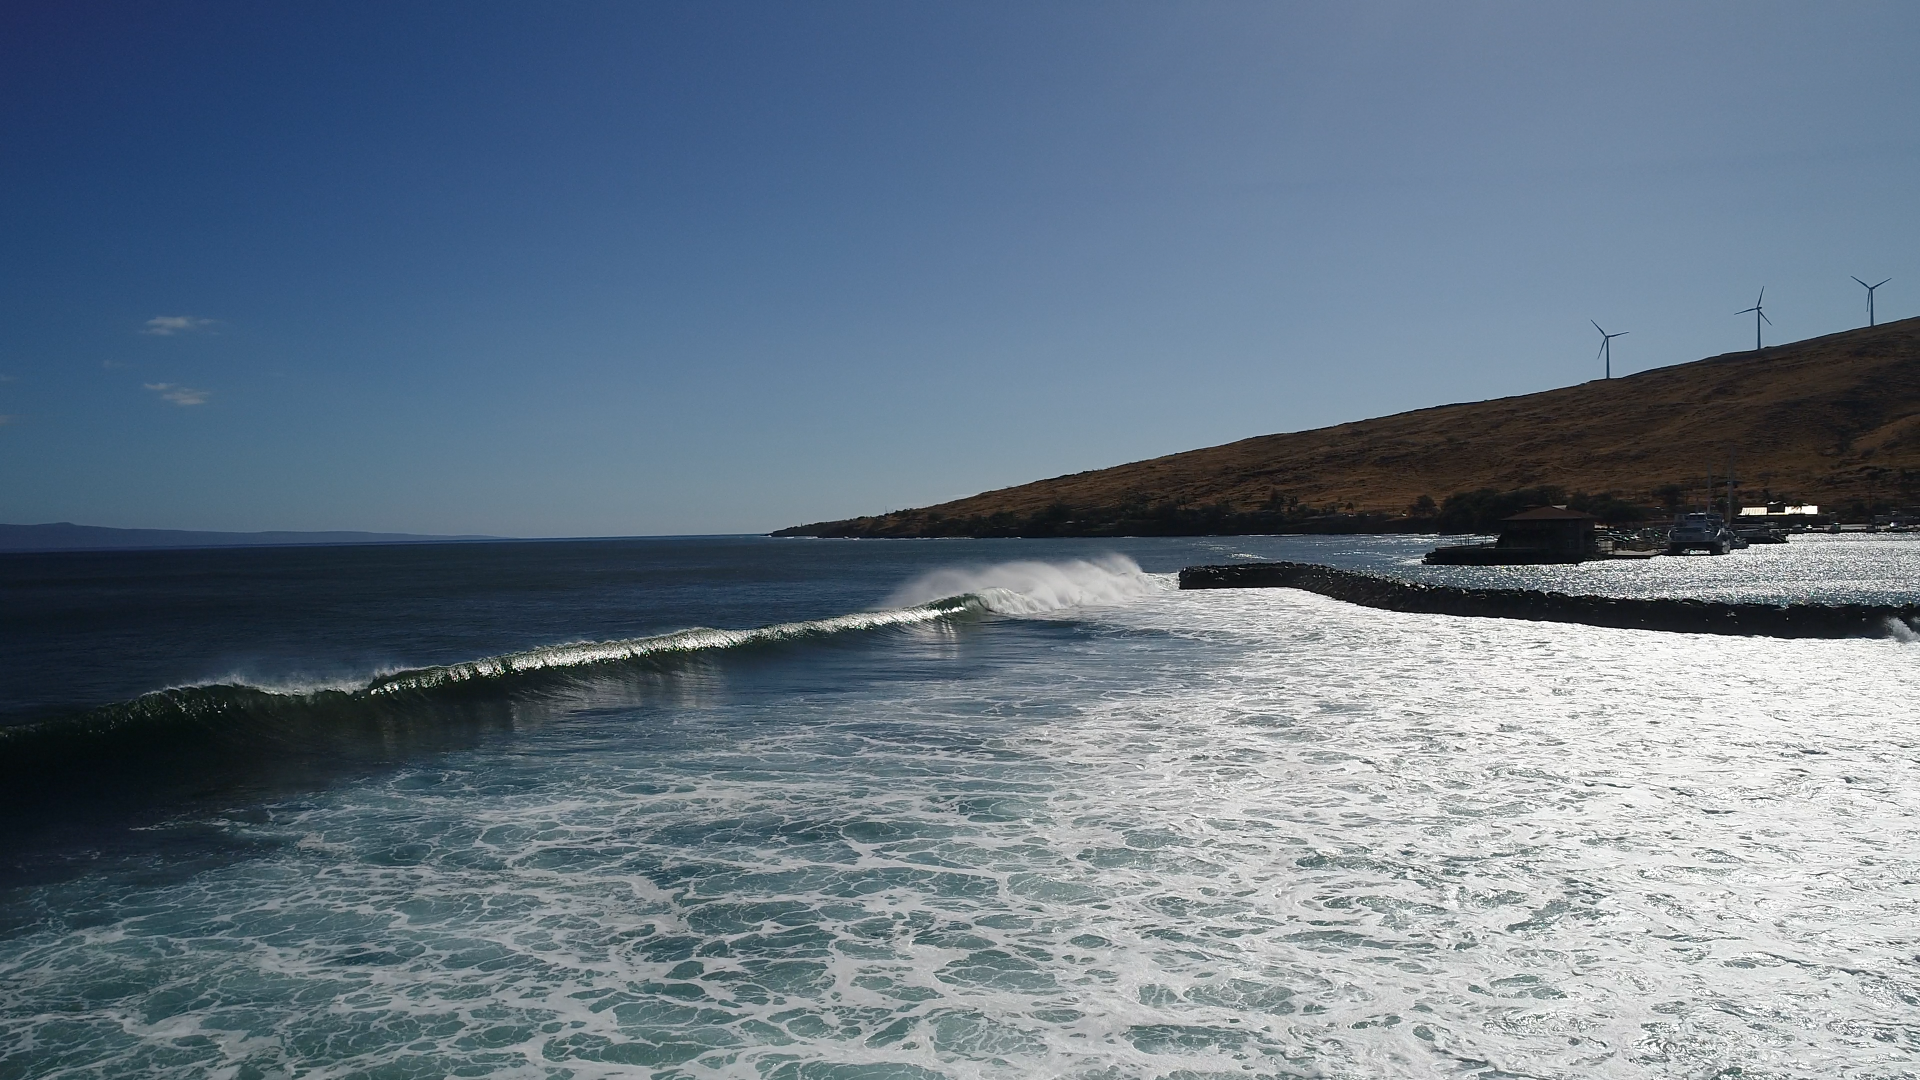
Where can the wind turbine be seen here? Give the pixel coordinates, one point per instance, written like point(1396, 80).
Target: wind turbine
point(1870, 289)
point(1606, 346)
point(1758, 314)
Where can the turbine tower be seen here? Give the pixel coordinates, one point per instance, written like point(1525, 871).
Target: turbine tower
point(1870, 289)
point(1759, 314)
point(1606, 346)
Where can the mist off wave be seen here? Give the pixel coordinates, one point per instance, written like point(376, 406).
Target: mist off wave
point(1036, 588)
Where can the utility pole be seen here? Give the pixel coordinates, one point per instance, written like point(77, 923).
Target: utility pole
point(1729, 487)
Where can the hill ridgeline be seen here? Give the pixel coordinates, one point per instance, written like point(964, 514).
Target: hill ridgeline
point(1832, 420)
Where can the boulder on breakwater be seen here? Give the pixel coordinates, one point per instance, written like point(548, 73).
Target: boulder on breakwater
point(1677, 615)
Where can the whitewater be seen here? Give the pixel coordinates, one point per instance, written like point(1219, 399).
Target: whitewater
point(1011, 810)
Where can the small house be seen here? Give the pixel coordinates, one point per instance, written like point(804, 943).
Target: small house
point(1553, 529)
point(1545, 534)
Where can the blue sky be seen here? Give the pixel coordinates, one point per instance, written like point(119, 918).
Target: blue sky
point(624, 268)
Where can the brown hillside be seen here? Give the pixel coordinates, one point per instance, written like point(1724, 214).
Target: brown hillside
point(1828, 420)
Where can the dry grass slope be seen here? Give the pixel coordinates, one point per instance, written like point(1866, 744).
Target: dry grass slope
point(1827, 420)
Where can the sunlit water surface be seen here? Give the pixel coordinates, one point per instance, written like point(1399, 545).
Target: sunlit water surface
point(1155, 834)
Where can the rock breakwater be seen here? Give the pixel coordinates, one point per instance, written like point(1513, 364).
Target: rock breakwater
point(1676, 615)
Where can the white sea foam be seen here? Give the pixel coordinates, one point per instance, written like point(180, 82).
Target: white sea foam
point(1036, 588)
point(1262, 833)
point(296, 684)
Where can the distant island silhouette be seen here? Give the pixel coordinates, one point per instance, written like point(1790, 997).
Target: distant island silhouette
point(66, 536)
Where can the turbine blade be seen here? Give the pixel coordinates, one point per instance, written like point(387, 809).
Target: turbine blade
point(1622, 333)
point(1602, 349)
point(1863, 284)
point(1764, 316)
point(1596, 326)
point(1883, 283)
point(1763, 296)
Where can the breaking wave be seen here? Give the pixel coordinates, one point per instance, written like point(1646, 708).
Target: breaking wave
point(1036, 588)
point(191, 736)
point(584, 654)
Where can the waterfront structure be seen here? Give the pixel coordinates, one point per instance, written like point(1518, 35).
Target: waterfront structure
point(1544, 534)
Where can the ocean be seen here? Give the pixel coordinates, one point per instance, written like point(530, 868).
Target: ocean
point(851, 810)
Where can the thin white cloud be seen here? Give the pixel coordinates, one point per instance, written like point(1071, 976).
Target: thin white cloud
point(179, 395)
point(169, 325)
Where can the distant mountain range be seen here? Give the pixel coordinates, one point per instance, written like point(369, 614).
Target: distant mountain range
point(1833, 420)
point(66, 536)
